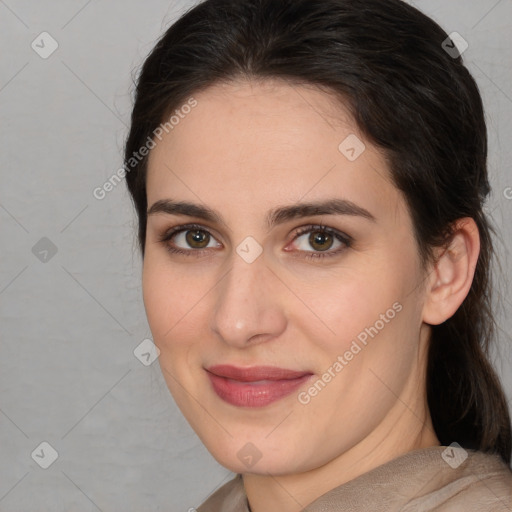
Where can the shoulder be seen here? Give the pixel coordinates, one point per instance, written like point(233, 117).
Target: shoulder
point(482, 483)
point(439, 478)
point(230, 497)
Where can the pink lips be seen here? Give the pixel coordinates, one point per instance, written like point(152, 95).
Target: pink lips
point(255, 386)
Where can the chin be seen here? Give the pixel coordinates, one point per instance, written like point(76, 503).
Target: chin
point(259, 456)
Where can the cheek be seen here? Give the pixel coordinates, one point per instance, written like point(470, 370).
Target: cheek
point(342, 307)
point(158, 302)
point(367, 313)
point(172, 301)
point(169, 296)
point(178, 302)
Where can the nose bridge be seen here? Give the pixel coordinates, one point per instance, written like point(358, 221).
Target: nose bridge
point(246, 305)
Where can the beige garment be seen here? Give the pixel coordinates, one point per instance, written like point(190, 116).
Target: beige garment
point(419, 481)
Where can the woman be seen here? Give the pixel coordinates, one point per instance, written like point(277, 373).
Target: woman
point(309, 180)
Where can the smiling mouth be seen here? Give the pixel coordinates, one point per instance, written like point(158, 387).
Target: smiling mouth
point(255, 386)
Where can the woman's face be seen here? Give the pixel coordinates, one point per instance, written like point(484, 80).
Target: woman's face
point(287, 304)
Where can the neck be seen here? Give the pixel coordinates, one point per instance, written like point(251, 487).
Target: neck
point(294, 491)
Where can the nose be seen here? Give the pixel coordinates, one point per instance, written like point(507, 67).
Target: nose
point(248, 307)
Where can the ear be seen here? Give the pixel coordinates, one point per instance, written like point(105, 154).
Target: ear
point(452, 273)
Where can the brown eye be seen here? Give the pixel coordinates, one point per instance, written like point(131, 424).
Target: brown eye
point(320, 240)
point(190, 240)
point(197, 239)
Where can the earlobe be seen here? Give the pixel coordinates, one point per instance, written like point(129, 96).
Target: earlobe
point(452, 273)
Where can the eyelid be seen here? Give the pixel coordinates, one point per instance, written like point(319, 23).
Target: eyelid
point(169, 233)
point(308, 228)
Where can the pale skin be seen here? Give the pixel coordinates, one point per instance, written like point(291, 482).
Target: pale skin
point(247, 149)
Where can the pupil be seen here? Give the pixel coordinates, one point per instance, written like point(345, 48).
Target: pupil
point(197, 238)
point(320, 241)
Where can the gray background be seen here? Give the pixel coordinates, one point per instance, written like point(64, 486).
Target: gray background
point(71, 320)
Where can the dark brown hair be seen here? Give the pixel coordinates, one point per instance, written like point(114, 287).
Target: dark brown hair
point(410, 97)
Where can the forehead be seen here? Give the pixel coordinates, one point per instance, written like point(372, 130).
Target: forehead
point(261, 142)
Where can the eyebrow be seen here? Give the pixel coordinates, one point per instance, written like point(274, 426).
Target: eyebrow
point(275, 216)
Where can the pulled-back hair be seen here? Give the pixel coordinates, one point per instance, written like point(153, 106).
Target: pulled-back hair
point(412, 98)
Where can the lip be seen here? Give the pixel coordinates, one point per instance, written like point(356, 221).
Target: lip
point(254, 386)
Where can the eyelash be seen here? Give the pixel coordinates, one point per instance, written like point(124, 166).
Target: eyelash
point(343, 238)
